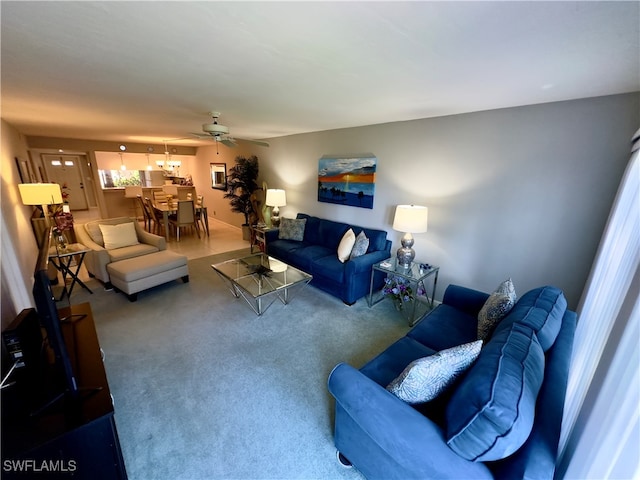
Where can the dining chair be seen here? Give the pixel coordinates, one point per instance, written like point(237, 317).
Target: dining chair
point(146, 215)
point(158, 224)
point(200, 212)
point(184, 217)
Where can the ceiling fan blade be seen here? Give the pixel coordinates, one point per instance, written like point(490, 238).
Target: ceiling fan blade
point(228, 142)
point(256, 142)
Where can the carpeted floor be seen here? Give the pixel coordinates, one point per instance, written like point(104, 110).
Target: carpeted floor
point(206, 389)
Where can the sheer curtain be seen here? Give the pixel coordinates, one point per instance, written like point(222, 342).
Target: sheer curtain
point(602, 409)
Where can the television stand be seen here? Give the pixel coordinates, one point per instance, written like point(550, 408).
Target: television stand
point(79, 439)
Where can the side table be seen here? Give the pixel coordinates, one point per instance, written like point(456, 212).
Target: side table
point(259, 237)
point(414, 277)
point(62, 259)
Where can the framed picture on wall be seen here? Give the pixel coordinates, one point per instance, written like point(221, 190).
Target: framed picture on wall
point(347, 179)
point(218, 175)
point(25, 171)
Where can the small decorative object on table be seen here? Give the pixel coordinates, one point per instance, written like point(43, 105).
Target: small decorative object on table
point(399, 289)
point(64, 221)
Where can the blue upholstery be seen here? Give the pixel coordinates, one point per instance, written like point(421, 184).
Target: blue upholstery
point(317, 255)
point(502, 418)
point(542, 310)
point(491, 413)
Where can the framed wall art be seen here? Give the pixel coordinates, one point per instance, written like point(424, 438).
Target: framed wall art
point(218, 175)
point(347, 179)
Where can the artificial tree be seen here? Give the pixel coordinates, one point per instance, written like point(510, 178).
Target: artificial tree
point(242, 182)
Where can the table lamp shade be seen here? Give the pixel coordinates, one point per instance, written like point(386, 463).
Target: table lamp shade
point(411, 218)
point(40, 193)
point(276, 197)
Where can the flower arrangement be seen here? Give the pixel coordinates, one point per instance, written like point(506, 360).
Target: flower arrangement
point(399, 289)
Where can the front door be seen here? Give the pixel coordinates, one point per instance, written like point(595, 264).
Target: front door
point(65, 170)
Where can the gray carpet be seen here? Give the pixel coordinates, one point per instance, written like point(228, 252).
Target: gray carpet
point(206, 389)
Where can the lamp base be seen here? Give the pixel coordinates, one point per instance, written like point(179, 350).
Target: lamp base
point(405, 253)
point(275, 217)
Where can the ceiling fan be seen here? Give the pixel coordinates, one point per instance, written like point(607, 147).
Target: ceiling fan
point(220, 133)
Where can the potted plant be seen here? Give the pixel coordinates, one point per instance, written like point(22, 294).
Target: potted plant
point(242, 182)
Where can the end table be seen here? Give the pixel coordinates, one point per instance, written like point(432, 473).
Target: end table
point(259, 237)
point(61, 259)
point(414, 277)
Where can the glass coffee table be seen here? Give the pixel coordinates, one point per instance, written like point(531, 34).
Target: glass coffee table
point(261, 279)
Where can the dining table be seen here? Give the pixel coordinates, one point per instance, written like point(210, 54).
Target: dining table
point(168, 208)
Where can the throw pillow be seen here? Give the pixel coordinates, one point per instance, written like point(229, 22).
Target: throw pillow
point(346, 245)
point(499, 303)
point(120, 235)
point(360, 247)
point(292, 228)
point(426, 378)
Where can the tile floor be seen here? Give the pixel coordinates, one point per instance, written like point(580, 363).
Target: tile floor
point(222, 237)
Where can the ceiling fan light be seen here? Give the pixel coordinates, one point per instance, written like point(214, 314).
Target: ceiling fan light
point(214, 128)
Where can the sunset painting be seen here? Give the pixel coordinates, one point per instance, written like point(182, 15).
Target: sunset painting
point(347, 180)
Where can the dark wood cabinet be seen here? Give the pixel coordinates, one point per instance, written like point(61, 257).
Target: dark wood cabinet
point(71, 438)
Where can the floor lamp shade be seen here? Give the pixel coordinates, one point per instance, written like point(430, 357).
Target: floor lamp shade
point(409, 219)
point(275, 198)
point(40, 193)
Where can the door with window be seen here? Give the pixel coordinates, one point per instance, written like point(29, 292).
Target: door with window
point(65, 170)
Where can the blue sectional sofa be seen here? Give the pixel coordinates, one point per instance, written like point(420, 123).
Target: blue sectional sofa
point(317, 255)
point(501, 419)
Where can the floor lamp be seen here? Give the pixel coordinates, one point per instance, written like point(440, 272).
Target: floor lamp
point(43, 194)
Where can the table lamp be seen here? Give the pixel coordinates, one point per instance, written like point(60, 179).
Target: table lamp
point(275, 198)
point(43, 194)
point(409, 219)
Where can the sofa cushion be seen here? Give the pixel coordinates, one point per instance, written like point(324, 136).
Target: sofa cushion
point(330, 233)
point(377, 238)
point(132, 251)
point(541, 309)
point(292, 229)
point(306, 256)
point(491, 413)
point(346, 245)
point(93, 228)
point(426, 378)
point(328, 266)
point(499, 303)
point(444, 327)
point(360, 247)
point(118, 236)
point(310, 228)
point(388, 365)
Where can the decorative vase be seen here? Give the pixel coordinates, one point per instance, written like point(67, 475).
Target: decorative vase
point(62, 241)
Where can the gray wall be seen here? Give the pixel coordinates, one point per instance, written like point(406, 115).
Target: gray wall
point(521, 192)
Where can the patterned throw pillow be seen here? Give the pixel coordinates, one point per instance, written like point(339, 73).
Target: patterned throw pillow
point(360, 247)
point(499, 303)
point(346, 245)
point(426, 378)
point(292, 229)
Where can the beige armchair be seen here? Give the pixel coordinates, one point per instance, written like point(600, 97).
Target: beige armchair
point(96, 261)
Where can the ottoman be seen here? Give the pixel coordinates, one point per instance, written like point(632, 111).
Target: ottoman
point(139, 273)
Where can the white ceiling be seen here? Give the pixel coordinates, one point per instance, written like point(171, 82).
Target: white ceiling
point(148, 71)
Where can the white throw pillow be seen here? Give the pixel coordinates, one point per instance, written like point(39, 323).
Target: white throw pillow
point(346, 245)
point(426, 378)
point(118, 236)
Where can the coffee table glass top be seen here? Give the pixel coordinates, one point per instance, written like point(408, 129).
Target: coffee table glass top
point(260, 274)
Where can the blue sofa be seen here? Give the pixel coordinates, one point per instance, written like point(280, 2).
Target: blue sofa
point(501, 419)
point(317, 255)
